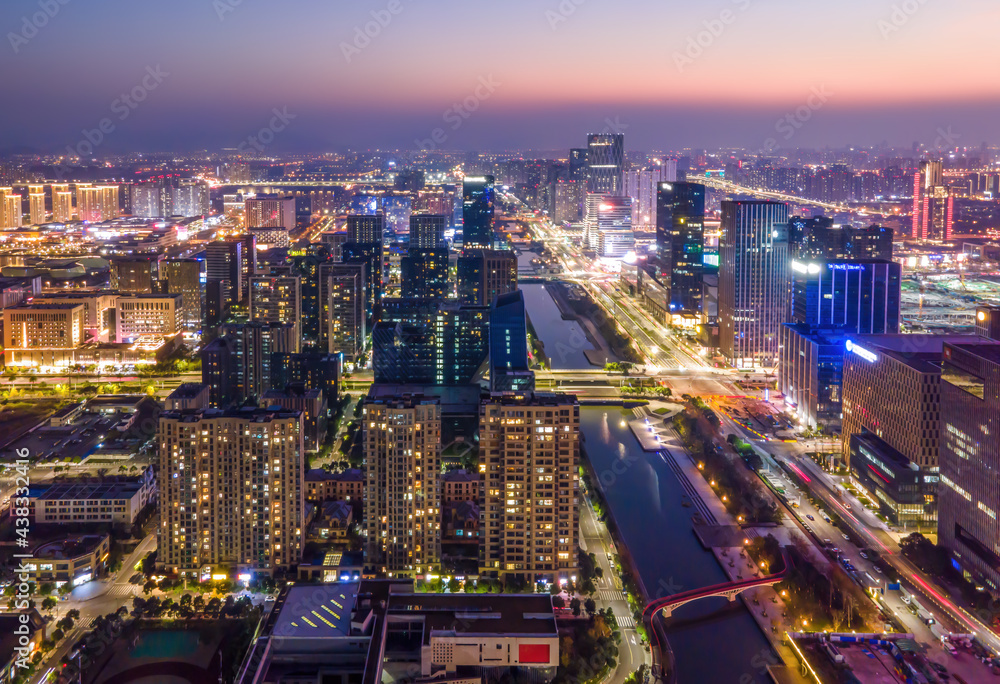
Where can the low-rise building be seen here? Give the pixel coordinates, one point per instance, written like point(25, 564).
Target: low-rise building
point(117, 501)
point(332, 522)
point(76, 560)
point(322, 485)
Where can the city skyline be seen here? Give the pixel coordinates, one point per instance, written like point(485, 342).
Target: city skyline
point(724, 73)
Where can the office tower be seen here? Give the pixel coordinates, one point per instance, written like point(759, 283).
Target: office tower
point(265, 211)
point(237, 365)
point(643, 186)
point(613, 227)
point(402, 438)
point(277, 299)
point(306, 265)
point(429, 342)
point(224, 262)
point(183, 276)
point(578, 164)
point(568, 201)
point(933, 203)
point(150, 314)
point(135, 273)
point(231, 491)
point(366, 229)
point(216, 306)
point(62, 205)
point(485, 274)
point(528, 456)
point(680, 237)
point(478, 197)
point(343, 300)
point(424, 273)
point(248, 261)
point(968, 496)
point(510, 367)
point(42, 334)
point(36, 208)
point(371, 256)
point(605, 163)
point(427, 231)
point(860, 296)
point(10, 211)
point(753, 281)
point(818, 238)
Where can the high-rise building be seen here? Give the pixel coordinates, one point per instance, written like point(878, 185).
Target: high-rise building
point(10, 211)
point(270, 212)
point(578, 164)
point(135, 273)
point(371, 256)
point(183, 276)
point(238, 365)
point(36, 208)
point(97, 203)
point(343, 326)
point(605, 163)
point(62, 205)
point(753, 281)
point(933, 203)
point(680, 237)
point(510, 367)
point(402, 442)
point(818, 239)
point(968, 496)
point(485, 274)
point(277, 299)
point(478, 197)
point(568, 200)
point(424, 273)
point(366, 229)
point(231, 491)
point(861, 296)
point(429, 342)
point(529, 459)
point(643, 186)
point(427, 231)
point(224, 261)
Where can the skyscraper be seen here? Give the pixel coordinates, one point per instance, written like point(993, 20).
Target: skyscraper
point(753, 281)
point(62, 205)
point(860, 296)
point(402, 442)
point(135, 273)
point(529, 517)
point(427, 231)
point(605, 163)
point(424, 273)
point(183, 276)
point(10, 211)
point(370, 255)
point(224, 262)
point(36, 208)
point(968, 497)
point(642, 185)
point(231, 491)
point(484, 274)
point(277, 299)
point(510, 368)
point(477, 211)
point(933, 203)
point(342, 319)
point(680, 236)
point(270, 212)
point(238, 365)
point(818, 238)
point(578, 164)
point(366, 229)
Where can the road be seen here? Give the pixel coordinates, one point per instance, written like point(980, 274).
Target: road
point(94, 599)
point(595, 539)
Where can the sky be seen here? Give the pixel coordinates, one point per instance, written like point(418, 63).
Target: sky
point(180, 75)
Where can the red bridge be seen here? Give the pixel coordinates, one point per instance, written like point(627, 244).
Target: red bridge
point(664, 607)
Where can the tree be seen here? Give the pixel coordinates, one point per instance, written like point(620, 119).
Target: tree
point(590, 606)
point(575, 606)
point(558, 602)
point(73, 614)
point(49, 603)
point(198, 603)
point(148, 587)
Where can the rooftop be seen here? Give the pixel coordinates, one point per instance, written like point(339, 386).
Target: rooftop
point(479, 613)
point(69, 491)
point(317, 611)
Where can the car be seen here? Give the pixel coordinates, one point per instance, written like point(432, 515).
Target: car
point(806, 528)
point(863, 554)
point(828, 542)
point(810, 517)
point(877, 569)
point(268, 599)
point(847, 505)
point(845, 537)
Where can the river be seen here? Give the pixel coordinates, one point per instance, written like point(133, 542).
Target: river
point(713, 641)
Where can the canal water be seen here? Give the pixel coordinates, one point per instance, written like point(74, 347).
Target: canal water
point(713, 641)
point(565, 341)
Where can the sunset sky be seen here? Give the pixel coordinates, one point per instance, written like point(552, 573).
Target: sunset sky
point(888, 75)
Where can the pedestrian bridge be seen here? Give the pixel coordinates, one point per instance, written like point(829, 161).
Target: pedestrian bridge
point(730, 590)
